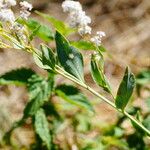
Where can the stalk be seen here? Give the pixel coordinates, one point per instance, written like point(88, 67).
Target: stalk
point(75, 80)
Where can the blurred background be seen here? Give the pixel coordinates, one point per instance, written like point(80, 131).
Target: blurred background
point(127, 27)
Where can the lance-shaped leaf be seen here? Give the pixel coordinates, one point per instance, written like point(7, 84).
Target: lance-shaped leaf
point(48, 57)
point(86, 45)
point(42, 128)
point(97, 70)
point(39, 92)
point(125, 89)
point(57, 24)
point(69, 57)
point(72, 95)
point(40, 30)
point(18, 76)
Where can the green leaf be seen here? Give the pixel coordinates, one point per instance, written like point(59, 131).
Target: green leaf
point(44, 32)
point(38, 29)
point(148, 103)
point(69, 57)
point(72, 95)
point(42, 128)
point(125, 89)
point(146, 122)
point(143, 77)
point(101, 48)
point(48, 56)
point(39, 93)
point(97, 70)
point(38, 60)
point(86, 45)
point(136, 141)
point(50, 110)
point(18, 76)
point(59, 25)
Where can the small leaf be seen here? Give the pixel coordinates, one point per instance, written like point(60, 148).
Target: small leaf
point(87, 45)
point(83, 45)
point(125, 89)
point(148, 103)
point(59, 25)
point(72, 95)
point(143, 77)
point(39, 93)
point(47, 56)
point(38, 60)
point(146, 122)
point(18, 76)
point(69, 57)
point(34, 32)
point(102, 48)
point(42, 129)
point(97, 70)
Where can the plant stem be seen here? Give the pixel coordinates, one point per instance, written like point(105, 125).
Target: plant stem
point(137, 123)
point(70, 77)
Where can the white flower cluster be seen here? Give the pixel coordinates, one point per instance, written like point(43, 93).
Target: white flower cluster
point(7, 15)
point(25, 9)
point(97, 40)
point(77, 17)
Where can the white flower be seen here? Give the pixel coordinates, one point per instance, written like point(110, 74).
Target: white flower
point(26, 6)
point(70, 6)
point(7, 15)
point(19, 30)
point(25, 9)
point(24, 14)
point(1, 3)
point(97, 40)
point(101, 34)
point(10, 3)
point(85, 30)
point(82, 19)
point(77, 17)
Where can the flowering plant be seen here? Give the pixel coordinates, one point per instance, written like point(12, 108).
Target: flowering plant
point(65, 60)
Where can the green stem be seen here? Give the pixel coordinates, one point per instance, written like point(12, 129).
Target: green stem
point(12, 39)
point(137, 123)
point(70, 77)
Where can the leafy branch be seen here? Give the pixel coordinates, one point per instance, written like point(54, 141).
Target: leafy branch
point(73, 70)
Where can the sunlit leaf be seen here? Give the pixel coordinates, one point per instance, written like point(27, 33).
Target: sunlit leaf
point(87, 45)
point(83, 45)
point(58, 25)
point(125, 89)
point(44, 32)
point(97, 70)
point(37, 29)
point(69, 57)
